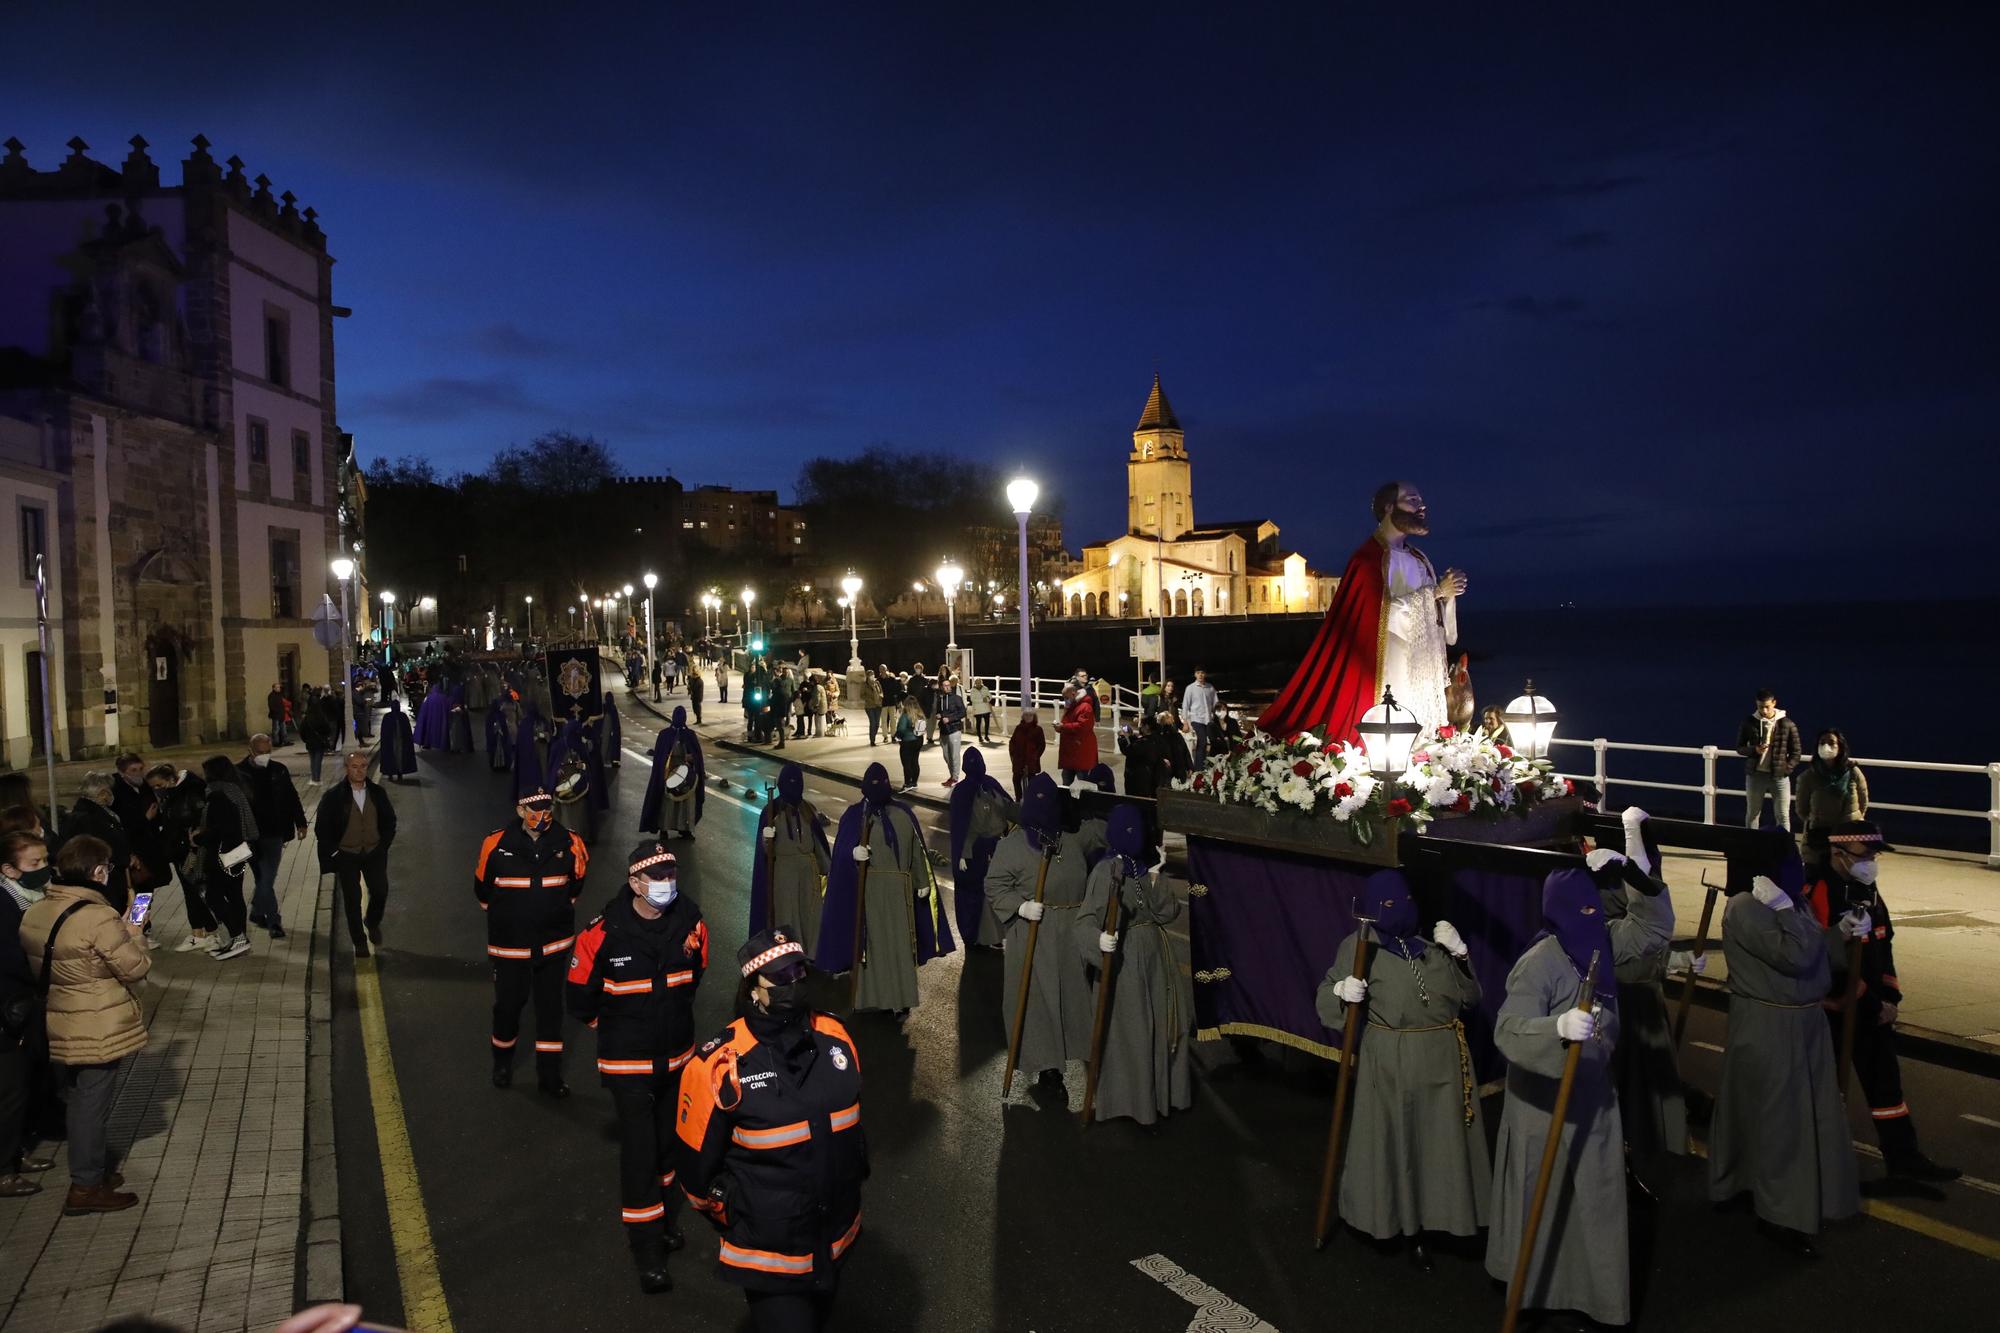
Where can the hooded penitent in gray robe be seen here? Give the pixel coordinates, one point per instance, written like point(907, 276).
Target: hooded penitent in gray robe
point(1652, 1103)
point(1780, 1129)
point(1144, 1071)
point(1582, 1258)
point(1056, 1028)
point(1416, 1150)
point(992, 815)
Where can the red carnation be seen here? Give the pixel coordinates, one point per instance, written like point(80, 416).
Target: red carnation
point(1464, 801)
point(1256, 767)
point(1569, 788)
point(1506, 752)
point(1527, 787)
point(1303, 769)
point(1421, 757)
point(1398, 808)
point(1342, 790)
point(1446, 733)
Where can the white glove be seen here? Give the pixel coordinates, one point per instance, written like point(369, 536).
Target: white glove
point(1576, 1025)
point(964, 864)
point(924, 890)
point(1107, 941)
point(1351, 989)
point(1635, 843)
point(1029, 910)
point(1681, 960)
point(1601, 857)
point(861, 853)
point(1766, 891)
point(1856, 924)
point(770, 830)
point(1160, 864)
point(1449, 939)
point(1078, 786)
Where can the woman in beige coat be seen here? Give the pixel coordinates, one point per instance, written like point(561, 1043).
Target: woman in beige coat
point(96, 960)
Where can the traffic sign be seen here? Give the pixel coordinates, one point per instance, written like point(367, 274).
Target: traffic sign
point(326, 622)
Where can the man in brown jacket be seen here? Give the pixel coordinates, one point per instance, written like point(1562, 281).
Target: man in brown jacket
point(90, 958)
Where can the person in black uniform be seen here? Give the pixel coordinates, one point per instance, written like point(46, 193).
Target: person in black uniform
point(1846, 895)
point(527, 879)
point(633, 975)
point(772, 1151)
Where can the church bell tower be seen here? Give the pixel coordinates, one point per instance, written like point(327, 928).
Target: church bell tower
point(1159, 487)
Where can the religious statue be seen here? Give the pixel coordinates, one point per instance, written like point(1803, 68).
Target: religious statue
point(1388, 627)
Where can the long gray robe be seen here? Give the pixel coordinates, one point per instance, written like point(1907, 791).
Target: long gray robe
point(889, 974)
point(1057, 1026)
point(1780, 1128)
point(993, 814)
point(678, 810)
point(1652, 1102)
point(797, 873)
point(1145, 1071)
point(1582, 1259)
point(1416, 1155)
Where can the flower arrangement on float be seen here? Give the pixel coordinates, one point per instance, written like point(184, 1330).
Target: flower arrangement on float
point(1451, 772)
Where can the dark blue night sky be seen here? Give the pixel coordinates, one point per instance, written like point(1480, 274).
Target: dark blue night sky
point(1697, 305)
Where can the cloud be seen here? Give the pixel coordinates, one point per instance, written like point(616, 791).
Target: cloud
point(1543, 308)
point(445, 398)
point(1584, 240)
point(511, 340)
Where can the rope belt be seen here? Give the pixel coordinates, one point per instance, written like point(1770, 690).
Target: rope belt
point(1457, 1028)
point(1772, 1004)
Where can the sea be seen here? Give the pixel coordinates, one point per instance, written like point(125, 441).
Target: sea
point(1904, 680)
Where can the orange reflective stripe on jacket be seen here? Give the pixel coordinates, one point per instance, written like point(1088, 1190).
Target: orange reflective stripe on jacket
point(644, 987)
point(502, 951)
point(783, 1136)
point(624, 1066)
point(765, 1261)
point(680, 978)
point(486, 850)
point(654, 1213)
point(846, 1119)
point(557, 946)
point(514, 881)
point(853, 1230)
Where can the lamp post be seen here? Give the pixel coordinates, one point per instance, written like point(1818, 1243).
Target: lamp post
point(531, 616)
point(949, 578)
point(1531, 723)
point(651, 581)
point(628, 608)
point(343, 569)
point(1388, 733)
point(749, 596)
point(388, 627)
point(1021, 493)
point(851, 585)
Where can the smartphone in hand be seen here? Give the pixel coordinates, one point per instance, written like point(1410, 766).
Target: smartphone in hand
point(142, 905)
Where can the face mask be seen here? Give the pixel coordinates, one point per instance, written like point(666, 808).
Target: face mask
point(662, 892)
point(1829, 752)
point(787, 1003)
point(260, 759)
point(536, 820)
point(1862, 872)
point(34, 883)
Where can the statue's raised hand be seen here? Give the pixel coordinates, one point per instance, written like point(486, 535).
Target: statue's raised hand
point(1452, 584)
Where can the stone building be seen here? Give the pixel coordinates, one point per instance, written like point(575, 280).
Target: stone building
point(1165, 558)
point(725, 519)
point(168, 434)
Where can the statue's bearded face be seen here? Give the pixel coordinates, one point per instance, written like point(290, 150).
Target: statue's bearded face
point(1410, 515)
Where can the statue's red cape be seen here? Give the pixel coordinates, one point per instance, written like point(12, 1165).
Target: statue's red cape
point(1339, 679)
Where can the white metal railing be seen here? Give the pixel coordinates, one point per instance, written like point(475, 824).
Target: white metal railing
point(1707, 789)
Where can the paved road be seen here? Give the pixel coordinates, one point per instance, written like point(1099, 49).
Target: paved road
point(980, 1217)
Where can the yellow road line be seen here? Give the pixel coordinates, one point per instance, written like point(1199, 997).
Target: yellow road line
point(424, 1307)
point(1984, 1246)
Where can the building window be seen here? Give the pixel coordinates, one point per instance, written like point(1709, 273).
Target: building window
point(260, 441)
point(34, 538)
point(285, 582)
point(801, 541)
point(277, 347)
point(302, 450)
point(687, 523)
point(704, 523)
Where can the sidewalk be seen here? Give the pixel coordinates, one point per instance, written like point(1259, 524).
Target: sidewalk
point(211, 1124)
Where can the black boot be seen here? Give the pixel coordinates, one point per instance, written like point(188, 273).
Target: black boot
point(503, 1073)
point(675, 1240)
point(649, 1256)
point(1916, 1166)
point(1420, 1258)
point(552, 1085)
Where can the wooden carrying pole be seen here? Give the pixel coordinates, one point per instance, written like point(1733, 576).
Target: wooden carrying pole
point(1700, 948)
point(1104, 980)
point(1558, 1118)
point(1849, 1004)
point(1027, 975)
point(1349, 1035)
point(860, 916)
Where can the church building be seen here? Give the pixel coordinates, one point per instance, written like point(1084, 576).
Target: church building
point(1165, 558)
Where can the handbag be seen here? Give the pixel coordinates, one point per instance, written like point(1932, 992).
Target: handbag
point(235, 858)
point(20, 1011)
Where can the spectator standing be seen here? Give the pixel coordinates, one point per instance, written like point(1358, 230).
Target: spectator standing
point(1025, 749)
point(227, 823)
point(1832, 790)
point(951, 726)
point(910, 727)
point(91, 816)
point(1170, 700)
point(696, 686)
point(317, 737)
point(721, 683)
point(89, 958)
point(1076, 748)
point(1198, 707)
point(1769, 744)
point(871, 701)
point(1493, 725)
point(923, 690)
point(979, 707)
point(354, 827)
point(274, 801)
point(182, 796)
point(784, 691)
point(24, 1068)
point(274, 708)
point(138, 812)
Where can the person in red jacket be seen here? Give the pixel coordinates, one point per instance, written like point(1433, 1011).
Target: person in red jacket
point(1076, 751)
point(632, 976)
point(527, 880)
point(772, 1149)
point(1025, 749)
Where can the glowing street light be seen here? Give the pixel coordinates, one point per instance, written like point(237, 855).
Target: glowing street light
point(1022, 493)
point(651, 581)
point(851, 586)
point(343, 569)
point(949, 577)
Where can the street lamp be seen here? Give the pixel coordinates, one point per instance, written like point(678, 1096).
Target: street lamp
point(1531, 723)
point(749, 596)
point(429, 606)
point(343, 569)
point(851, 585)
point(531, 615)
point(388, 627)
point(651, 581)
point(1388, 733)
point(1021, 493)
point(949, 577)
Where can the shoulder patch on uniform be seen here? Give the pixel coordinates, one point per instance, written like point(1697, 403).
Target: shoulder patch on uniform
point(715, 1043)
